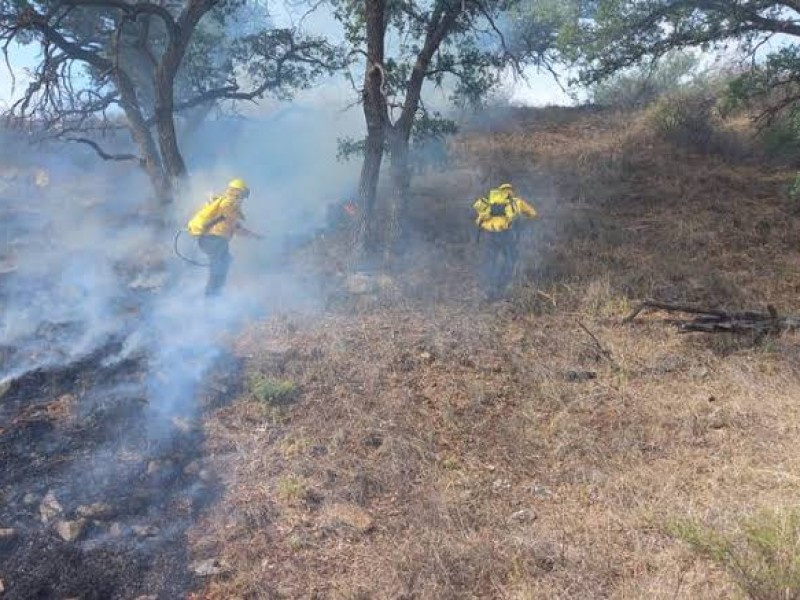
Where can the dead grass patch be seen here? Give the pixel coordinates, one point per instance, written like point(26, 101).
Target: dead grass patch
point(445, 448)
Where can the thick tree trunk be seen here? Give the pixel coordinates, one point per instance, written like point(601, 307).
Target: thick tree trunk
point(140, 132)
point(174, 164)
point(374, 102)
point(400, 133)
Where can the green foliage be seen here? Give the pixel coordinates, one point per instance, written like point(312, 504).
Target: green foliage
point(232, 54)
point(291, 489)
point(685, 119)
point(271, 390)
point(763, 556)
point(624, 33)
point(641, 85)
point(546, 31)
point(432, 126)
point(348, 147)
point(780, 140)
point(794, 190)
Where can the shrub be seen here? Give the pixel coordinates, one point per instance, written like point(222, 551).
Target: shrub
point(763, 556)
point(685, 119)
point(643, 84)
point(271, 390)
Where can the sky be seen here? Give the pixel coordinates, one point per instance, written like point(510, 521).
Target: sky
point(540, 89)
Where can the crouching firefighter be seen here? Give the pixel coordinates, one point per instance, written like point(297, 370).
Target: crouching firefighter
point(495, 216)
point(214, 225)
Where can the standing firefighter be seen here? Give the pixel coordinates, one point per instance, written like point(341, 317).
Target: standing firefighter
point(495, 217)
point(214, 225)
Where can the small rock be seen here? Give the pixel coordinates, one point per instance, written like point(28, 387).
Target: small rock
point(360, 284)
point(349, 515)
point(183, 424)
point(426, 357)
point(154, 466)
point(145, 530)
point(204, 475)
point(208, 567)
point(523, 516)
point(148, 281)
point(501, 485)
point(98, 510)
point(698, 373)
point(116, 530)
point(7, 533)
point(70, 530)
point(539, 490)
point(193, 468)
point(580, 376)
point(50, 507)
point(29, 499)
point(546, 555)
point(2, 587)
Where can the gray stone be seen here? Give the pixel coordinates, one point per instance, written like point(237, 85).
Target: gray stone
point(50, 508)
point(71, 530)
point(208, 567)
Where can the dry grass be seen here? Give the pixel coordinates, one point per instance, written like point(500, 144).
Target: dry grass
point(442, 448)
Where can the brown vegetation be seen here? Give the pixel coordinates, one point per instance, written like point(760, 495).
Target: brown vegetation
point(438, 447)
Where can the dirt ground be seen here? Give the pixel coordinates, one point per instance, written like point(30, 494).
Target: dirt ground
point(435, 445)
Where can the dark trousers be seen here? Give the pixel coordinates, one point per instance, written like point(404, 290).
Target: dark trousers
point(500, 260)
point(216, 248)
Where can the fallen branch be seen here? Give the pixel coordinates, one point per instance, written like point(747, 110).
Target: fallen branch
point(722, 321)
point(602, 350)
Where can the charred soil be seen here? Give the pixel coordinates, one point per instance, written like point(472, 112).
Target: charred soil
point(95, 500)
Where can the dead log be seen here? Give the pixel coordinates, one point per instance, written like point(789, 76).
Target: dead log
point(709, 320)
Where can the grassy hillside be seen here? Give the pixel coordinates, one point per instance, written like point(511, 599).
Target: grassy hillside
point(420, 443)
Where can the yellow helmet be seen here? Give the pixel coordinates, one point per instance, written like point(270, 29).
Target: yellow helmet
point(240, 186)
point(506, 186)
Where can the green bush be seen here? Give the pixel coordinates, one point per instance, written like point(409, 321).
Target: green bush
point(780, 140)
point(685, 119)
point(762, 556)
point(643, 84)
point(271, 390)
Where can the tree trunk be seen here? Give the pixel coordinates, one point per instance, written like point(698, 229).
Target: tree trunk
point(140, 132)
point(174, 164)
point(401, 184)
point(374, 101)
point(439, 28)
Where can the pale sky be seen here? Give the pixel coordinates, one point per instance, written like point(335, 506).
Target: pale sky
point(540, 89)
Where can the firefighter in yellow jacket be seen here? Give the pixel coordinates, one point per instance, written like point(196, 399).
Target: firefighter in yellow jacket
point(495, 216)
point(214, 225)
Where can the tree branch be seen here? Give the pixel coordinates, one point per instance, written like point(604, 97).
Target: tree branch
point(102, 153)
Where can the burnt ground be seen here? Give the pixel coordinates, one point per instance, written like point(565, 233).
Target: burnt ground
point(79, 449)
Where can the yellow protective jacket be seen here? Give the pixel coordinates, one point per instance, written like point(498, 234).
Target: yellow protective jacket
point(220, 216)
point(500, 201)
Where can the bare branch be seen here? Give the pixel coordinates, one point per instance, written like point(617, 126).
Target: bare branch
point(102, 153)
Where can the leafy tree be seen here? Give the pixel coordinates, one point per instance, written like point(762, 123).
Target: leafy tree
point(641, 85)
point(112, 64)
point(622, 33)
point(406, 44)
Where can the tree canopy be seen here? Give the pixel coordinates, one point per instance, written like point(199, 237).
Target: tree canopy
point(622, 33)
point(110, 64)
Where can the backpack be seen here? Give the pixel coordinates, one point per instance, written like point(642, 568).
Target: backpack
point(500, 204)
point(206, 217)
